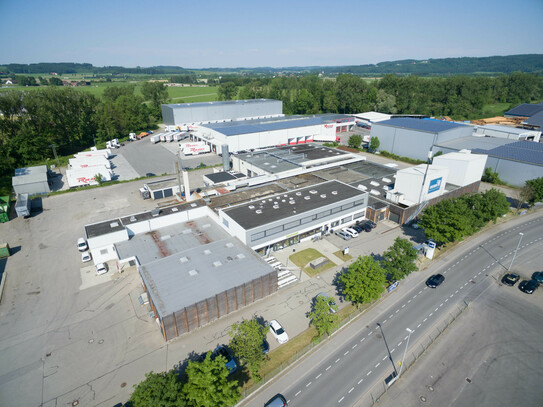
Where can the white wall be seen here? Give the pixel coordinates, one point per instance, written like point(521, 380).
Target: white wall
point(409, 182)
point(104, 253)
point(108, 239)
point(464, 169)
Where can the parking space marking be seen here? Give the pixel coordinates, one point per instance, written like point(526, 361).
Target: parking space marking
point(308, 384)
point(392, 350)
point(351, 390)
point(418, 326)
point(385, 358)
point(384, 322)
point(345, 354)
point(424, 319)
point(400, 344)
point(377, 365)
point(441, 304)
point(431, 314)
point(355, 345)
point(362, 340)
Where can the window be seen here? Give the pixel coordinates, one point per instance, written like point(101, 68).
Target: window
point(225, 222)
point(347, 206)
point(257, 236)
point(335, 223)
point(347, 219)
point(336, 209)
point(291, 225)
point(359, 202)
point(323, 214)
point(307, 219)
point(274, 231)
point(358, 215)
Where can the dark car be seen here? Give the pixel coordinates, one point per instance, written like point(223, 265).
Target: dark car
point(372, 224)
point(435, 280)
point(510, 279)
point(358, 228)
point(276, 401)
point(538, 276)
point(265, 347)
point(528, 287)
point(230, 362)
point(366, 227)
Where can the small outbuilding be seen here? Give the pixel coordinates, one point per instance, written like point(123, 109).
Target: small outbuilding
point(31, 181)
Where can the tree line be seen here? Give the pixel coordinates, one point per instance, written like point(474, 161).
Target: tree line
point(72, 120)
point(460, 97)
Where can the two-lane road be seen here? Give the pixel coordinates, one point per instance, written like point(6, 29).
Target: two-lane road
point(343, 369)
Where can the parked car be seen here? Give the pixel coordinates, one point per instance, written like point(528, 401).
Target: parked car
point(330, 301)
point(538, 276)
point(367, 228)
point(265, 347)
point(82, 244)
point(415, 226)
point(230, 362)
point(528, 287)
point(435, 280)
point(278, 331)
point(101, 268)
point(510, 279)
point(358, 228)
point(276, 401)
point(351, 232)
point(344, 235)
point(372, 224)
point(85, 257)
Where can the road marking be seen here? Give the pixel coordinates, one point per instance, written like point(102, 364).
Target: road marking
point(408, 301)
point(415, 296)
point(369, 373)
point(431, 314)
point(384, 322)
point(308, 384)
point(437, 309)
point(341, 399)
point(377, 365)
point(355, 345)
point(418, 326)
point(406, 337)
point(446, 299)
point(397, 311)
point(456, 292)
point(362, 340)
point(385, 357)
point(441, 304)
point(320, 374)
point(328, 367)
point(391, 315)
point(297, 393)
point(452, 295)
point(420, 292)
point(345, 354)
point(360, 381)
point(424, 319)
point(400, 343)
point(369, 333)
point(403, 306)
point(351, 390)
point(392, 350)
point(337, 360)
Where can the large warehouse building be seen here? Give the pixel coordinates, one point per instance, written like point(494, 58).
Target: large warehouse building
point(414, 138)
point(189, 115)
point(263, 133)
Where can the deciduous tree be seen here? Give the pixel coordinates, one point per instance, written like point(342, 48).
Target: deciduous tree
point(247, 337)
point(537, 189)
point(355, 141)
point(321, 317)
point(363, 281)
point(159, 389)
point(399, 259)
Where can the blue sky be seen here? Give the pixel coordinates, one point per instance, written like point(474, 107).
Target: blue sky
point(237, 33)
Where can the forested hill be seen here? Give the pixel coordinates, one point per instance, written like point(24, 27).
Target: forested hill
point(529, 63)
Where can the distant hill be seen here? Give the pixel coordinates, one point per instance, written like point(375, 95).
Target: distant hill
point(529, 63)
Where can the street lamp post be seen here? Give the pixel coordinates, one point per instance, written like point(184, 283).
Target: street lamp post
point(516, 250)
point(405, 351)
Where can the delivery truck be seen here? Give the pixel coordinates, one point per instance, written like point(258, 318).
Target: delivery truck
point(196, 150)
point(89, 162)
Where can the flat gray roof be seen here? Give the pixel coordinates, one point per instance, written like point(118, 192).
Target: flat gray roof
point(198, 273)
point(103, 228)
point(166, 241)
point(474, 142)
point(425, 125)
point(225, 102)
point(39, 169)
point(270, 209)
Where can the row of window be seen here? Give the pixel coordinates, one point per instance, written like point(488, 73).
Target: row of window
point(309, 219)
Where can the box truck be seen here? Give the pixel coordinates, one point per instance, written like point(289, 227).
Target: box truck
point(86, 176)
point(89, 162)
point(196, 150)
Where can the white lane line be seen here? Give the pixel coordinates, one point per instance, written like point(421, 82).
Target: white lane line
point(360, 381)
point(392, 350)
point(328, 367)
point(320, 374)
point(431, 313)
point(341, 399)
point(385, 357)
point(297, 393)
point(420, 292)
point(362, 340)
point(369, 333)
point(403, 306)
point(377, 365)
point(355, 345)
point(456, 292)
point(308, 384)
point(406, 337)
point(408, 301)
point(351, 390)
point(424, 320)
point(400, 343)
point(452, 295)
point(415, 296)
point(391, 315)
point(384, 322)
point(441, 304)
point(437, 309)
point(418, 326)
point(446, 299)
point(345, 354)
point(337, 360)
point(397, 311)
point(368, 373)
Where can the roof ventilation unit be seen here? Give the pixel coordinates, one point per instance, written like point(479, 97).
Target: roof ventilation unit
point(240, 256)
point(298, 193)
point(323, 196)
point(386, 179)
point(259, 211)
point(175, 209)
point(193, 273)
point(114, 224)
point(374, 183)
point(207, 252)
point(362, 187)
point(132, 219)
point(155, 212)
point(217, 263)
point(374, 192)
point(312, 192)
point(307, 198)
point(251, 206)
point(229, 245)
point(275, 206)
point(334, 192)
point(184, 259)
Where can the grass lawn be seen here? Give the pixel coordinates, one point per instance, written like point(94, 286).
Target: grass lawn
point(301, 259)
point(339, 254)
point(496, 109)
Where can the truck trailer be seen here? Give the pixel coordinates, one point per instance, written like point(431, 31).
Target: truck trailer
point(86, 176)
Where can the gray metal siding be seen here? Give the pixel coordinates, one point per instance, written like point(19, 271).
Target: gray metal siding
point(514, 172)
point(35, 188)
point(167, 115)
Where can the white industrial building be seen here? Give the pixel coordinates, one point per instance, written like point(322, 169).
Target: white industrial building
point(464, 168)
point(188, 116)
point(508, 132)
point(264, 133)
point(414, 138)
point(31, 180)
point(284, 219)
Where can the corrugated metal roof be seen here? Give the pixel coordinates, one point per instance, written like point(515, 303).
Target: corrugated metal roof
point(39, 169)
point(535, 120)
point(256, 126)
point(526, 109)
point(225, 102)
point(505, 129)
point(523, 151)
point(474, 142)
point(30, 178)
point(427, 125)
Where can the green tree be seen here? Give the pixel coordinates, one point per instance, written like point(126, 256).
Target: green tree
point(54, 81)
point(363, 281)
point(247, 337)
point(321, 317)
point(374, 144)
point(227, 91)
point(159, 389)
point(524, 195)
point(112, 93)
point(449, 220)
point(491, 177)
point(156, 93)
point(305, 103)
point(537, 189)
point(355, 141)
point(399, 259)
point(494, 205)
point(208, 385)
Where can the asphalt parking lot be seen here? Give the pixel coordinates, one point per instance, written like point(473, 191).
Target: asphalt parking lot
point(498, 338)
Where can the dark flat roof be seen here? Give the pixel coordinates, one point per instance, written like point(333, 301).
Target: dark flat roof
point(222, 176)
point(104, 228)
point(271, 209)
point(535, 120)
point(524, 151)
point(237, 197)
point(426, 125)
point(525, 109)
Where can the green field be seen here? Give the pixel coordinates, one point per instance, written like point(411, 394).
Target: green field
point(496, 109)
point(176, 94)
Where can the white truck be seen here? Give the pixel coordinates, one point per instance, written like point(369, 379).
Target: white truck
point(196, 150)
point(86, 176)
point(104, 153)
point(89, 162)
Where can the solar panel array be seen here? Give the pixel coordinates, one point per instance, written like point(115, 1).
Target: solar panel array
point(256, 126)
point(526, 109)
point(524, 151)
